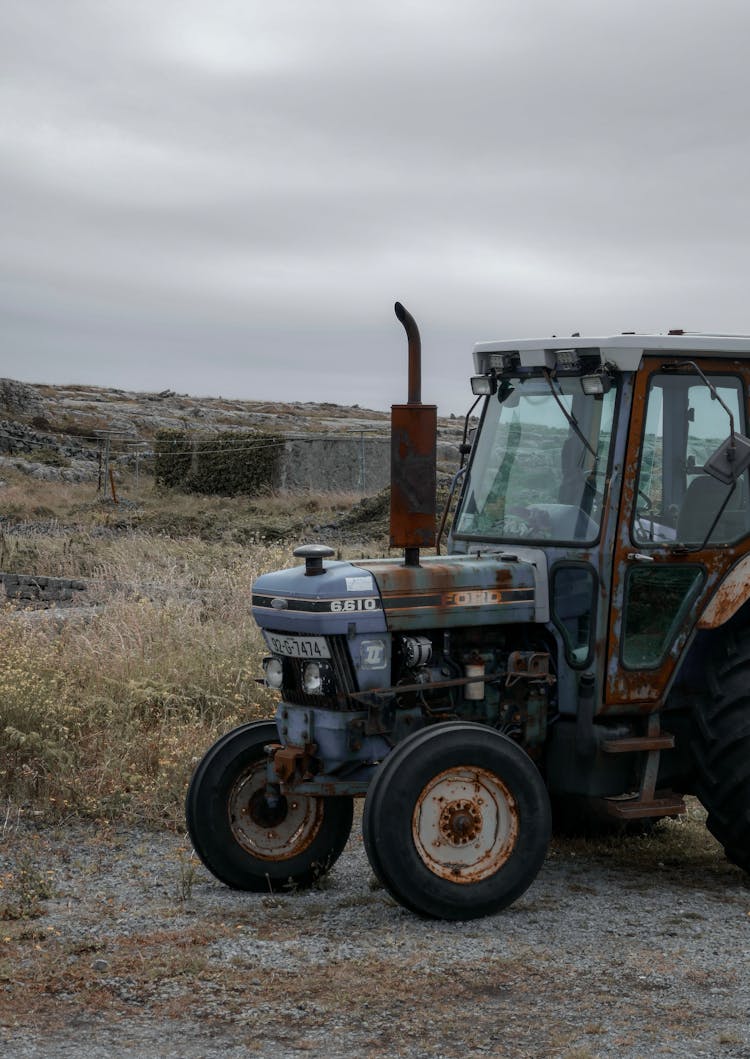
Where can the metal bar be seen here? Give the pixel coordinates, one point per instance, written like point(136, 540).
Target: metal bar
point(651, 767)
point(458, 682)
point(112, 483)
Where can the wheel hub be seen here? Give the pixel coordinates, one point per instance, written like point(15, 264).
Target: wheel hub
point(465, 824)
point(263, 813)
point(460, 822)
point(266, 830)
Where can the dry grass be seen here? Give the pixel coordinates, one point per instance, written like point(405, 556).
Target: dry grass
point(106, 714)
point(30, 505)
point(25, 498)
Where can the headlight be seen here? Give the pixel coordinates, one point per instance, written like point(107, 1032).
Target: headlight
point(273, 669)
point(317, 678)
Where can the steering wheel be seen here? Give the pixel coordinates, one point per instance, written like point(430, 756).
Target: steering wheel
point(513, 525)
point(525, 522)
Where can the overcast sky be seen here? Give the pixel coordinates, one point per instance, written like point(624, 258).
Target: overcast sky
point(227, 197)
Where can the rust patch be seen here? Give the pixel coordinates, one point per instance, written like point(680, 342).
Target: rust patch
point(413, 475)
point(289, 761)
point(528, 665)
point(729, 596)
point(465, 824)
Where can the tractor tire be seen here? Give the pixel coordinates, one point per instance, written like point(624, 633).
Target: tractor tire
point(457, 822)
point(248, 844)
point(371, 810)
point(721, 747)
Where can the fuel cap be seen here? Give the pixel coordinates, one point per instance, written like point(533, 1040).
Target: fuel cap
point(314, 554)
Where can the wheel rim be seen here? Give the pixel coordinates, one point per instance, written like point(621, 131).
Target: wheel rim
point(271, 833)
point(465, 824)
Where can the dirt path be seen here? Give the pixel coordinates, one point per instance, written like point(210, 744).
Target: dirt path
point(624, 951)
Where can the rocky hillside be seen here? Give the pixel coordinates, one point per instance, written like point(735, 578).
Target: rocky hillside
point(57, 432)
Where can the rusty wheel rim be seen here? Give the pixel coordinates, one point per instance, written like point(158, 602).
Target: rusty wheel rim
point(465, 824)
point(266, 833)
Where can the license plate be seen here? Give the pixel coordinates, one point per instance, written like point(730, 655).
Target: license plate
point(297, 646)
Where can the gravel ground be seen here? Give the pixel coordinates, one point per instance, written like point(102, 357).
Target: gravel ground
point(630, 949)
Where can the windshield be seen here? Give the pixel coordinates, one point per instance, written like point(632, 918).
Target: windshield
point(538, 474)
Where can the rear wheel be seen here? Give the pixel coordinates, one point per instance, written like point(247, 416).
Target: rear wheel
point(247, 841)
point(721, 748)
point(457, 822)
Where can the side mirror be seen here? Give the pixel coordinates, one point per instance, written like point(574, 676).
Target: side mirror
point(730, 459)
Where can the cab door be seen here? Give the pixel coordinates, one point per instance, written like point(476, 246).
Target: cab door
point(665, 570)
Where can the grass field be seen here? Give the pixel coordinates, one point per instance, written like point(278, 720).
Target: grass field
point(105, 712)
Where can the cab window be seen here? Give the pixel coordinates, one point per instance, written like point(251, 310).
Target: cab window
point(676, 501)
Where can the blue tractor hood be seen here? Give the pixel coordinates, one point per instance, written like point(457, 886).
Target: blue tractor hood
point(291, 601)
point(380, 594)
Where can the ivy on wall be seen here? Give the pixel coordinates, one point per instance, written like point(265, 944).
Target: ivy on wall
point(227, 464)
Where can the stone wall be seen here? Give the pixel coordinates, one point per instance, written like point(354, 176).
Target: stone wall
point(348, 465)
point(27, 588)
point(332, 464)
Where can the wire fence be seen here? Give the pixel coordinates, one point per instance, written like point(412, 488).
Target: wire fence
point(188, 447)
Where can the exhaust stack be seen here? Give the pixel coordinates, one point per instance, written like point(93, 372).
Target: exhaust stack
point(413, 458)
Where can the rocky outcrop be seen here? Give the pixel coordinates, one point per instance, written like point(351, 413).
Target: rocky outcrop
point(18, 399)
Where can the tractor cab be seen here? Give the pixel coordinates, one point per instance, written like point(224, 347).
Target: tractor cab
point(625, 459)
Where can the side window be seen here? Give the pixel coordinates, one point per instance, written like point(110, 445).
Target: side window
point(656, 600)
point(573, 595)
point(676, 501)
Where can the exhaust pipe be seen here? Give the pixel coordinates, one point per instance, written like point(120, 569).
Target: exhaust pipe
point(415, 353)
point(413, 457)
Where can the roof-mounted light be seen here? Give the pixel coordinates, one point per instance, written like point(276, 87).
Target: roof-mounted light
point(596, 385)
point(567, 359)
point(483, 385)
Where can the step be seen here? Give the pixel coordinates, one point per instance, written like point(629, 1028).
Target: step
point(635, 743)
point(632, 807)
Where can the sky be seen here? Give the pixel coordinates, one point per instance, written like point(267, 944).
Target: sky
point(226, 197)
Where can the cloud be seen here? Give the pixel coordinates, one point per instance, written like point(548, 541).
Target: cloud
point(233, 194)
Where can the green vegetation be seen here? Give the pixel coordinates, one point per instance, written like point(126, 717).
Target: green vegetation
point(228, 464)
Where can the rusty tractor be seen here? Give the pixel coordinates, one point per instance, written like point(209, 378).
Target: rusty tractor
point(583, 646)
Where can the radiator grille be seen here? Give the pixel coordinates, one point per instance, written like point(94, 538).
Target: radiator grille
point(344, 677)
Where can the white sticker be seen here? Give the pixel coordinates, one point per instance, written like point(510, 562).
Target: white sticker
point(359, 584)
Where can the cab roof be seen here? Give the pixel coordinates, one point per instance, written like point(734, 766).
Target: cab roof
point(623, 351)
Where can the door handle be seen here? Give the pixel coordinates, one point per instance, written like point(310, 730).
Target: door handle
point(639, 557)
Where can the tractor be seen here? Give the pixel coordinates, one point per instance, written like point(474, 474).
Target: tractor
point(581, 649)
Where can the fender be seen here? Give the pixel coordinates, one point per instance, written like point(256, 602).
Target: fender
point(730, 595)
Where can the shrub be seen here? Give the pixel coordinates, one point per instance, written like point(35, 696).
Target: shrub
point(227, 464)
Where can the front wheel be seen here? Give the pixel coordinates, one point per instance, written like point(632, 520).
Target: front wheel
point(248, 842)
point(457, 822)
